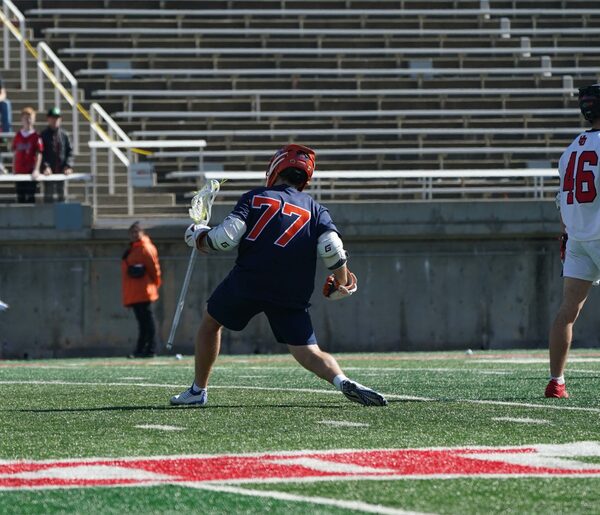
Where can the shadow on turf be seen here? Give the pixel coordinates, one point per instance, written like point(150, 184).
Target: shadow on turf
point(163, 407)
point(246, 406)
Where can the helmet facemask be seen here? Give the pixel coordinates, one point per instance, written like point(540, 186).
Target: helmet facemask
point(589, 102)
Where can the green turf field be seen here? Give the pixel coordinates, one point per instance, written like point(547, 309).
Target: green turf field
point(258, 446)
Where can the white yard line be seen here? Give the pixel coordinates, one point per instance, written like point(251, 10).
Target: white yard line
point(572, 449)
point(527, 361)
point(224, 387)
point(428, 369)
point(283, 496)
point(342, 423)
point(529, 405)
point(521, 420)
point(552, 406)
point(161, 428)
point(376, 370)
point(82, 383)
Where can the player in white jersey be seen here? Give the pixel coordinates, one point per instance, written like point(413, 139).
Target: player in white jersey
point(579, 203)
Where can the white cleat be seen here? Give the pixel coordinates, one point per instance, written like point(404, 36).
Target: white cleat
point(358, 393)
point(187, 398)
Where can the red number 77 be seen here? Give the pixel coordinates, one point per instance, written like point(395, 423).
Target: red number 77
point(273, 206)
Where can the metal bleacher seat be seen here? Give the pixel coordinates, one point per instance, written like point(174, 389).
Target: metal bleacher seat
point(496, 90)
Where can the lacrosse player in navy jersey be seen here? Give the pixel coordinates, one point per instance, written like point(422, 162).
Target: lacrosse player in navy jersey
point(278, 231)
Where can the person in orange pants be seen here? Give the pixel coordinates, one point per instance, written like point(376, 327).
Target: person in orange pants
point(140, 270)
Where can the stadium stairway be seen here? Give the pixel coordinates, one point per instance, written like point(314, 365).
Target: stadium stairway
point(147, 201)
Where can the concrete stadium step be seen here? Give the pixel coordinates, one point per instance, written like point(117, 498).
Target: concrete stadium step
point(259, 21)
point(162, 199)
point(344, 103)
point(307, 41)
point(144, 209)
point(91, 84)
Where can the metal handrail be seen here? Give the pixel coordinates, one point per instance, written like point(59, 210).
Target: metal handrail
point(19, 34)
point(135, 145)
point(96, 111)
point(60, 71)
point(109, 121)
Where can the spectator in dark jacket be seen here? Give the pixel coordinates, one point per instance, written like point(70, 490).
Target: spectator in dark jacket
point(57, 157)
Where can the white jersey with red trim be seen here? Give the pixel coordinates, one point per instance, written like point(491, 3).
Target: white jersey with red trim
point(579, 169)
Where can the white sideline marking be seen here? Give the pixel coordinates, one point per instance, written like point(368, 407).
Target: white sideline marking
point(529, 405)
point(161, 428)
point(571, 449)
point(318, 391)
point(425, 369)
point(377, 370)
point(522, 420)
point(283, 496)
point(89, 472)
point(342, 423)
point(224, 387)
point(526, 361)
point(536, 460)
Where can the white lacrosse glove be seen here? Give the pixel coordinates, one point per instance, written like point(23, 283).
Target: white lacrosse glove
point(194, 233)
point(333, 290)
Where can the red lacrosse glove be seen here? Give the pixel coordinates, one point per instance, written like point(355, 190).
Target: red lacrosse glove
point(333, 290)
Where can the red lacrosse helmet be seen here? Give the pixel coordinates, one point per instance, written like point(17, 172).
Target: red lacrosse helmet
point(291, 156)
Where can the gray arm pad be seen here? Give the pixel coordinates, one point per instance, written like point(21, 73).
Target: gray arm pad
point(227, 235)
point(331, 248)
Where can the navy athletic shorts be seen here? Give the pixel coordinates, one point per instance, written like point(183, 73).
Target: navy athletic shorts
point(292, 326)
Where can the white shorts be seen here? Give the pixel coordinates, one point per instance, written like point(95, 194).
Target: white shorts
point(582, 260)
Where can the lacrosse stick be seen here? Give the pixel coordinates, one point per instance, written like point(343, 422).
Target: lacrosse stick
point(200, 214)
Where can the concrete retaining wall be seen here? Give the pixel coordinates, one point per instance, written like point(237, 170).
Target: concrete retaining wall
point(445, 275)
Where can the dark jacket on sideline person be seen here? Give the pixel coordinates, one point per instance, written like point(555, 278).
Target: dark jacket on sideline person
point(58, 153)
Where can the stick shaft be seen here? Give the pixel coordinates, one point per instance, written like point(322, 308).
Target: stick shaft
point(181, 301)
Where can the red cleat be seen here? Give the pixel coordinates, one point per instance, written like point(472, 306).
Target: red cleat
point(558, 391)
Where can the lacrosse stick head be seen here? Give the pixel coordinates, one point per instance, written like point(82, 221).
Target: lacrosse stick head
point(202, 202)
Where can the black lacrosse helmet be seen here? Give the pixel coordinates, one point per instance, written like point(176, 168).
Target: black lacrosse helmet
point(589, 102)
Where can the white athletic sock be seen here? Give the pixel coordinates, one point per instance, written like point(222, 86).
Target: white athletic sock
point(196, 389)
point(559, 379)
point(337, 381)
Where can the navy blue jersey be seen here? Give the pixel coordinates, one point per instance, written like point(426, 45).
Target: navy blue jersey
point(277, 256)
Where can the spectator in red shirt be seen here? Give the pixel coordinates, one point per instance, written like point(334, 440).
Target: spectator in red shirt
point(27, 147)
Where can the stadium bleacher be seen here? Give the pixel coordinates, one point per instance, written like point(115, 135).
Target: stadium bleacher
point(375, 85)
